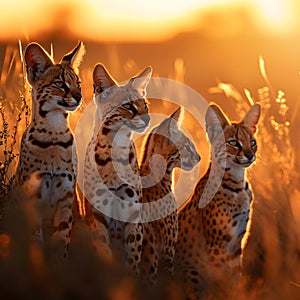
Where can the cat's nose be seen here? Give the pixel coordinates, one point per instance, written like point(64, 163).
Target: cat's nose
point(77, 96)
point(249, 154)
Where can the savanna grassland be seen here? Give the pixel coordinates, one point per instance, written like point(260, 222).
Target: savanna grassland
point(272, 256)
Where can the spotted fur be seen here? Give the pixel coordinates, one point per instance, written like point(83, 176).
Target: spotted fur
point(46, 171)
point(210, 238)
point(112, 185)
point(166, 142)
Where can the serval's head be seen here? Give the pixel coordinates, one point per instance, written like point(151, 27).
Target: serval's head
point(233, 144)
point(169, 141)
point(54, 86)
point(122, 105)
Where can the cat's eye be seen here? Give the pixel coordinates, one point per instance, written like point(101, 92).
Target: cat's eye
point(253, 143)
point(131, 107)
point(234, 143)
point(127, 105)
point(59, 84)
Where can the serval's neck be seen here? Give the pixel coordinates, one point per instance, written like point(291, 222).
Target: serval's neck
point(54, 121)
point(156, 169)
point(232, 177)
point(235, 175)
point(114, 142)
point(231, 172)
point(115, 153)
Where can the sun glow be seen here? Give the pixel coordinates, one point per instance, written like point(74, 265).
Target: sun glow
point(276, 14)
point(155, 10)
point(135, 20)
point(138, 20)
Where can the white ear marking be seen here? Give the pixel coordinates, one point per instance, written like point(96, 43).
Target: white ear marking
point(141, 81)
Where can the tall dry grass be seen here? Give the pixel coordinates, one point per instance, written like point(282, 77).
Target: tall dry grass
point(14, 114)
point(272, 255)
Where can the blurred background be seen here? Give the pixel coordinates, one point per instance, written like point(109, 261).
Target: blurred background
point(232, 52)
point(211, 40)
point(198, 42)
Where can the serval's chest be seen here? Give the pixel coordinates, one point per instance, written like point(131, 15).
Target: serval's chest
point(116, 164)
point(224, 220)
point(45, 151)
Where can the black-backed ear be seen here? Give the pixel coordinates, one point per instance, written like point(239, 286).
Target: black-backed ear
point(141, 81)
point(74, 58)
point(102, 79)
point(173, 123)
point(216, 120)
point(252, 116)
point(37, 60)
point(176, 114)
point(169, 126)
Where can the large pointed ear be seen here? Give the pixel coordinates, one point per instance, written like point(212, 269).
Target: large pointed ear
point(216, 120)
point(169, 125)
point(176, 114)
point(141, 81)
point(74, 58)
point(37, 60)
point(102, 79)
point(252, 116)
point(174, 123)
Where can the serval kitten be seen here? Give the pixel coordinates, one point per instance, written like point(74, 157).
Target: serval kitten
point(166, 148)
point(210, 238)
point(112, 185)
point(44, 184)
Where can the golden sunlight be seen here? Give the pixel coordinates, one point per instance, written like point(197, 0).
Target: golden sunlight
point(19, 18)
point(138, 20)
point(276, 14)
point(133, 20)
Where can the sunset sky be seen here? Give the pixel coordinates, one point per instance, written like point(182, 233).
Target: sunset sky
point(133, 20)
point(199, 42)
point(226, 52)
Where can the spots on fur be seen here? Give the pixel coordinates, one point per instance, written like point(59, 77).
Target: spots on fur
point(102, 162)
point(214, 233)
point(45, 145)
point(46, 155)
point(121, 108)
point(160, 234)
point(129, 192)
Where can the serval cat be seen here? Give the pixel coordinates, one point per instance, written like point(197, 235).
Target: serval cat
point(209, 245)
point(112, 185)
point(166, 148)
point(44, 183)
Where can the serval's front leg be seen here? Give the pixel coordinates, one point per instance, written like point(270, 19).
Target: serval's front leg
point(98, 232)
point(167, 264)
point(57, 216)
point(133, 235)
point(149, 263)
